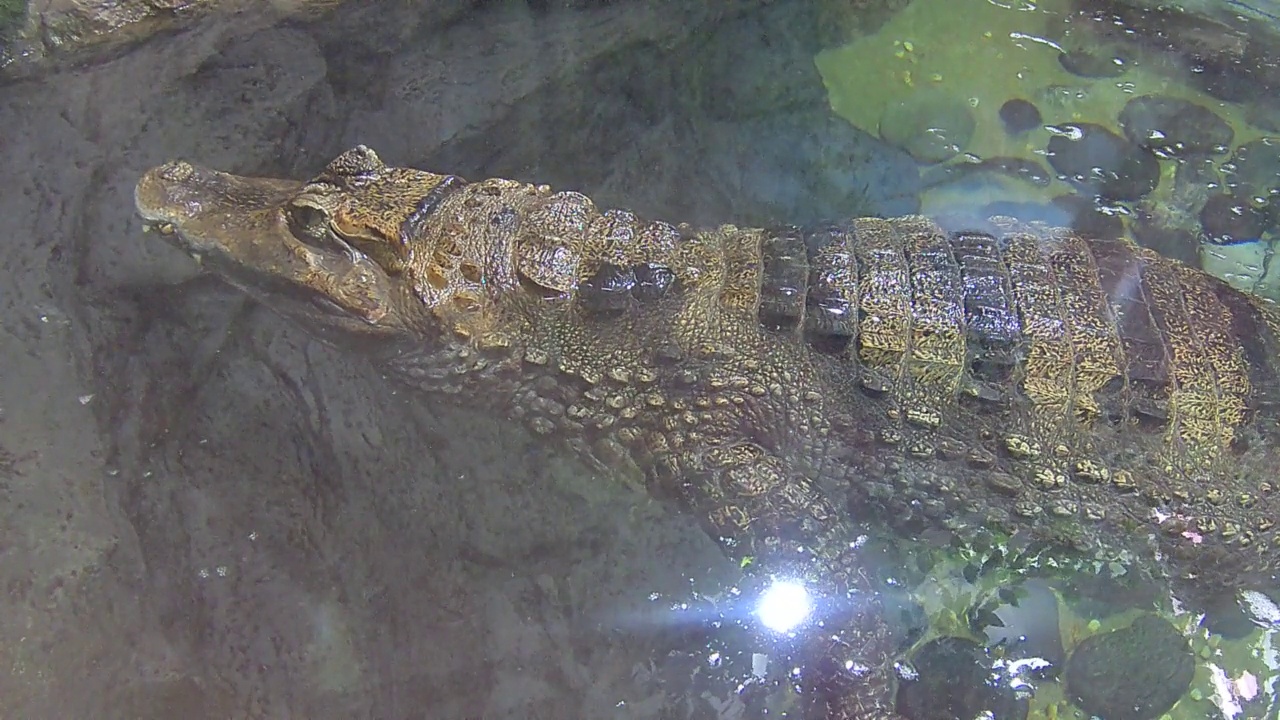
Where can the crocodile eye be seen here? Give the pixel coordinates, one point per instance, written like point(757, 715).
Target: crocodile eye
point(311, 225)
point(307, 223)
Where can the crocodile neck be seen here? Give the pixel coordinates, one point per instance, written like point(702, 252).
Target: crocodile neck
point(675, 338)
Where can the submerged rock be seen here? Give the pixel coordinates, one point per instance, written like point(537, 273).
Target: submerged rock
point(1103, 163)
point(1227, 617)
point(1254, 169)
point(951, 678)
point(1172, 127)
point(1228, 219)
point(1092, 65)
point(36, 38)
point(1171, 225)
point(1019, 116)
point(1172, 242)
point(1135, 673)
point(931, 125)
point(1087, 217)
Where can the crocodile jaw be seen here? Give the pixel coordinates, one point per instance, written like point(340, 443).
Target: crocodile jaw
point(236, 227)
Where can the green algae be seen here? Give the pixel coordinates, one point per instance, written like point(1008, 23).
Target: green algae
point(986, 53)
point(13, 15)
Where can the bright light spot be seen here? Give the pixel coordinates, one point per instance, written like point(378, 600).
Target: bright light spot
point(784, 606)
point(759, 664)
point(1261, 608)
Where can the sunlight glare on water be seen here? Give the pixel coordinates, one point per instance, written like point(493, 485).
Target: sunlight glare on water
point(784, 605)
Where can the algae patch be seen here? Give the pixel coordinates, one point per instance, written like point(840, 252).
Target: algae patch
point(13, 15)
point(983, 54)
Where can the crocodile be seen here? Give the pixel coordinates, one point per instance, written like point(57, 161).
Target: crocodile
point(786, 386)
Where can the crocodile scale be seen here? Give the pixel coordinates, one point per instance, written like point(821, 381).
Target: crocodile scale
point(783, 385)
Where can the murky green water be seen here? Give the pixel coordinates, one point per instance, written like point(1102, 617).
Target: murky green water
point(970, 58)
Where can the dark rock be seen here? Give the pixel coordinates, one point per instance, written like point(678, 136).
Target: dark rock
point(951, 678)
point(1254, 169)
point(1172, 127)
point(1188, 37)
point(1240, 79)
point(1264, 114)
point(1225, 617)
point(1103, 163)
point(1088, 217)
point(1102, 595)
point(1226, 81)
point(1092, 65)
point(931, 125)
point(1227, 220)
point(1177, 243)
point(1019, 116)
point(1135, 673)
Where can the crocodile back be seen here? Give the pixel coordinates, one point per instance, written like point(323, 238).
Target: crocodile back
point(1025, 376)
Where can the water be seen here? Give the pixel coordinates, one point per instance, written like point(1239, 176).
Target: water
point(241, 522)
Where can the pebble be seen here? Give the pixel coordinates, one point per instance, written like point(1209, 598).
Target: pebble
point(1101, 162)
point(1172, 127)
point(1227, 220)
point(1134, 673)
point(1091, 65)
point(1020, 116)
point(1254, 169)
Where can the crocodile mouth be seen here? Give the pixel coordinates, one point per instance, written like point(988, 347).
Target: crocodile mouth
point(237, 228)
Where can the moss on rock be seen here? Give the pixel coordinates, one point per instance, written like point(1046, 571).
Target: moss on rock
point(13, 15)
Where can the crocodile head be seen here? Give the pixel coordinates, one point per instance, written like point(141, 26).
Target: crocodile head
point(328, 253)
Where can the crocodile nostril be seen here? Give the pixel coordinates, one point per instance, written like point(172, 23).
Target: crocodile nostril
point(177, 171)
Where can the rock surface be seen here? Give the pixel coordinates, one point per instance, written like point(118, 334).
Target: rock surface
point(1135, 673)
point(39, 35)
point(1102, 163)
point(208, 515)
point(1172, 127)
